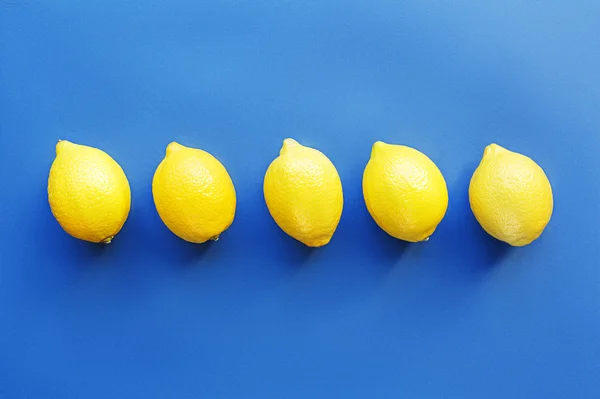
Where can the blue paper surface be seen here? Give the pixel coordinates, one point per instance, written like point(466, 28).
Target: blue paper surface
point(256, 314)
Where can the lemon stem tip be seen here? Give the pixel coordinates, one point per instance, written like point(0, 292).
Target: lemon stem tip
point(493, 149)
point(287, 144)
point(377, 147)
point(173, 146)
point(61, 144)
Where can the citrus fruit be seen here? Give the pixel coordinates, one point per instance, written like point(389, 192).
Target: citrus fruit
point(303, 192)
point(404, 191)
point(510, 196)
point(88, 192)
point(193, 194)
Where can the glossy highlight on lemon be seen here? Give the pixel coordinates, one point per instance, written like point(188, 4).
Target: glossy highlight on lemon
point(510, 196)
point(88, 192)
point(303, 192)
point(193, 194)
point(404, 191)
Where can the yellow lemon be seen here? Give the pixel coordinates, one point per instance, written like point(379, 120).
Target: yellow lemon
point(404, 191)
point(303, 192)
point(193, 194)
point(510, 196)
point(88, 192)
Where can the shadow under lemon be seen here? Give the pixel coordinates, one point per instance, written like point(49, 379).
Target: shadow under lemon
point(167, 246)
point(286, 249)
point(59, 244)
point(469, 244)
point(390, 248)
point(360, 238)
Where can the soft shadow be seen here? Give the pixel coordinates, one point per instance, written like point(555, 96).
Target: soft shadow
point(71, 262)
point(362, 237)
point(68, 260)
point(471, 243)
point(70, 251)
point(495, 250)
point(286, 249)
point(259, 236)
point(65, 251)
point(163, 243)
point(173, 250)
point(389, 249)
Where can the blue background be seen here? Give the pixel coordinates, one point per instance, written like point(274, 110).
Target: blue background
point(258, 315)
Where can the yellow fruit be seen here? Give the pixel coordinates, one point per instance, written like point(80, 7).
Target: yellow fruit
point(193, 194)
point(404, 191)
point(88, 192)
point(304, 195)
point(510, 196)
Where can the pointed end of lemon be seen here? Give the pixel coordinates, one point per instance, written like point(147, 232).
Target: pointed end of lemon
point(62, 144)
point(493, 150)
point(319, 242)
point(174, 146)
point(378, 147)
point(288, 144)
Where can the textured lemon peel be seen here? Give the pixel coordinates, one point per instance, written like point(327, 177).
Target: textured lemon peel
point(404, 192)
point(304, 194)
point(510, 196)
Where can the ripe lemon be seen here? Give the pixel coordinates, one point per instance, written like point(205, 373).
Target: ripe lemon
point(404, 191)
point(303, 192)
point(193, 194)
point(88, 192)
point(510, 196)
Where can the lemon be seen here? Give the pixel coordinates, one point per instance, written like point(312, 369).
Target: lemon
point(510, 196)
point(404, 191)
point(303, 192)
point(193, 194)
point(88, 192)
